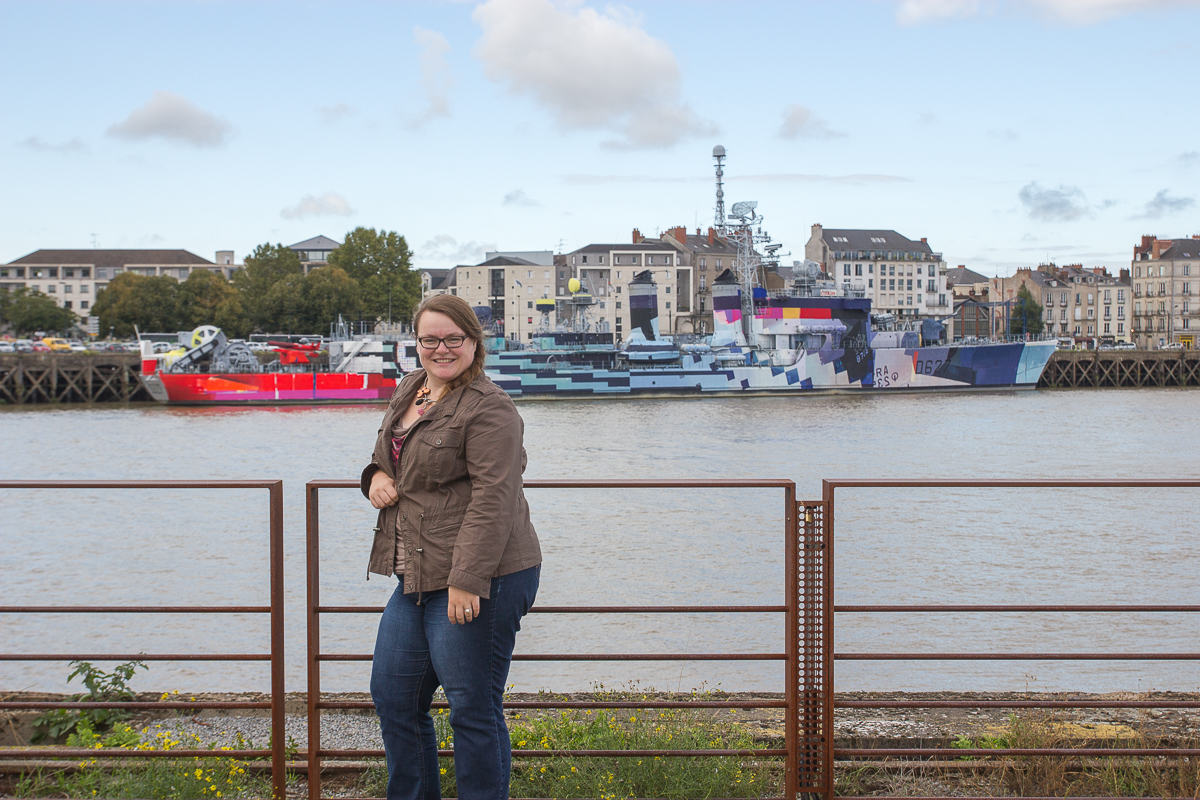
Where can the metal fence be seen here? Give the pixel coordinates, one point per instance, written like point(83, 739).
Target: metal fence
point(830, 488)
point(274, 656)
point(805, 608)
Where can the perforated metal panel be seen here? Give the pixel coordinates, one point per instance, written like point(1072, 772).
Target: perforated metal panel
point(810, 673)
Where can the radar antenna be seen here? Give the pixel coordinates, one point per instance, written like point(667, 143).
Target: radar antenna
point(719, 217)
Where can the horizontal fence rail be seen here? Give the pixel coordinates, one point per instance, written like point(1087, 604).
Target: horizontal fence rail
point(801, 775)
point(274, 656)
point(830, 488)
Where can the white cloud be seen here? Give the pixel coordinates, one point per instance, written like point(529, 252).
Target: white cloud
point(1004, 134)
point(1189, 158)
point(331, 114)
point(35, 142)
point(591, 70)
point(444, 249)
point(330, 204)
point(174, 118)
point(1064, 204)
point(517, 197)
point(913, 12)
point(801, 123)
point(1076, 12)
point(436, 80)
point(1163, 204)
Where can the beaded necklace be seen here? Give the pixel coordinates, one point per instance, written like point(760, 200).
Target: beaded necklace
point(424, 401)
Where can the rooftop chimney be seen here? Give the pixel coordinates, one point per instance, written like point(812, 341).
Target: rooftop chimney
point(924, 240)
point(712, 235)
point(637, 236)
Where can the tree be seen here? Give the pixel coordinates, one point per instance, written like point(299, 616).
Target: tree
point(328, 292)
point(150, 304)
point(28, 311)
point(283, 307)
point(381, 263)
point(206, 298)
point(265, 267)
point(1026, 313)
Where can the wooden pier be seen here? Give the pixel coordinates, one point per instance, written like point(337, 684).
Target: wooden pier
point(37, 378)
point(1087, 369)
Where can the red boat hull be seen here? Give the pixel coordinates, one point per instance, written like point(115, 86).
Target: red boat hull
point(277, 387)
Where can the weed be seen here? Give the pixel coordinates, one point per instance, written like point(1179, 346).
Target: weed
point(101, 687)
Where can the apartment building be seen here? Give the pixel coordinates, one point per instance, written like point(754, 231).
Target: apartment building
point(509, 286)
point(899, 275)
point(74, 277)
point(605, 271)
point(438, 281)
point(1089, 306)
point(1165, 275)
point(964, 282)
point(314, 252)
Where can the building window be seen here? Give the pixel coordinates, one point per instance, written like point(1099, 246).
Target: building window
point(941, 299)
point(584, 260)
point(1187, 269)
point(1107, 327)
point(910, 284)
point(845, 269)
point(718, 263)
point(1187, 288)
point(857, 269)
point(870, 283)
point(1108, 295)
point(67, 289)
point(1062, 298)
point(1120, 328)
point(1108, 312)
point(703, 263)
point(529, 304)
point(1120, 312)
point(1062, 315)
point(1120, 295)
point(1091, 313)
point(618, 305)
point(668, 305)
point(83, 303)
point(51, 288)
point(1077, 298)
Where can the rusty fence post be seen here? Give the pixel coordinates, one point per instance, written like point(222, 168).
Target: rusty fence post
point(278, 686)
point(791, 646)
point(823, 539)
point(313, 548)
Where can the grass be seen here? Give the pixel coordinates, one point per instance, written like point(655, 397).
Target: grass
point(1131, 776)
point(612, 778)
point(182, 778)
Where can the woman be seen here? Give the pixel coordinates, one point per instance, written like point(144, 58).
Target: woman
point(454, 528)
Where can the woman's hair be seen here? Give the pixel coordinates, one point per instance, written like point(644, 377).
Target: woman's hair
point(464, 317)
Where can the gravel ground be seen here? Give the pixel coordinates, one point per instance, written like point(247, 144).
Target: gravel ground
point(338, 731)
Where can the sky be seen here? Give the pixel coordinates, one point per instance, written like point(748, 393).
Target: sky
point(1007, 133)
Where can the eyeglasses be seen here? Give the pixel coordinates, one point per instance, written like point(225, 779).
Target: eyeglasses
point(432, 342)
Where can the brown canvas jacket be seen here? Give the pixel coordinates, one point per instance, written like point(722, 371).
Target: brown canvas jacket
point(462, 515)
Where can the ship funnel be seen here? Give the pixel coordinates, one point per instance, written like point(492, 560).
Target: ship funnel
point(643, 308)
point(727, 310)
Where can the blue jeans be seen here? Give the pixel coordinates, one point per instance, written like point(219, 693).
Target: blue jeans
point(416, 651)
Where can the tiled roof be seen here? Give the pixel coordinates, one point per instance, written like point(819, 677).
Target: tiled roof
point(1181, 248)
point(852, 239)
point(316, 243)
point(962, 275)
point(649, 244)
point(113, 258)
point(507, 261)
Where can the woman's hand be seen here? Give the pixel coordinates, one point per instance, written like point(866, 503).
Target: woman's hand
point(462, 607)
point(383, 491)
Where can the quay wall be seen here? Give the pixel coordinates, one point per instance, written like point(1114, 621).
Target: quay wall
point(52, 378)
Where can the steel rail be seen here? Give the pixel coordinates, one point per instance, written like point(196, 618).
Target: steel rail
point(598, 657)
point(621, 483)
point(88, 752)
point(1020, 483)
point(134, 657)
point(776, 751)
point(1018, 704)
point(1017, 656)
point(135, 609)
point(593, 609)
point(31, 705)
point(957, 608)
point(536, 704)
point(1089, 752)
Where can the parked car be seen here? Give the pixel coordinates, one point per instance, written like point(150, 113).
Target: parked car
point(24, 346)
point(7, 347)
point(1172, 346)
point(1124, 346)
point(38, 347)
point(56, 344)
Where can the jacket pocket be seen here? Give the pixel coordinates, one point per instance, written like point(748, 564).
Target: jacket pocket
point(444, 456)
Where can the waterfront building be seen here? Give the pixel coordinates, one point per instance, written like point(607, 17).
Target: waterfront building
point(74, 277)
point(509, 286)
point(964, 282)
point(314, 252)
point(1166, 279)
point(1088, 306)
point(438, 281)
point(605, 270)
point(900, 276)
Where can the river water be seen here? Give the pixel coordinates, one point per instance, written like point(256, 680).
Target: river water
point(641, 547)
